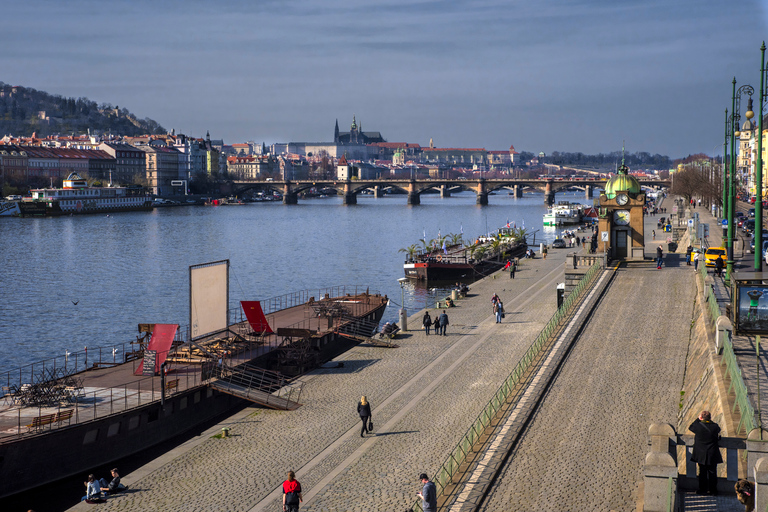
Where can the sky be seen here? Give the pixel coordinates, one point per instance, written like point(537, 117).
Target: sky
point(560, 75)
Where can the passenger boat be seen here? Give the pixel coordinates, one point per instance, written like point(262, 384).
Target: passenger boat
point(563, 213)
point(22, 208)
point(68, 415)
point(77, 197)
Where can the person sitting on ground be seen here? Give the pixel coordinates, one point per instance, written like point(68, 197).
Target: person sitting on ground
point(92, 491)
point(114, 486)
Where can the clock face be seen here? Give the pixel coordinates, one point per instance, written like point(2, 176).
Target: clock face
point(621, 217)
point(622, 199)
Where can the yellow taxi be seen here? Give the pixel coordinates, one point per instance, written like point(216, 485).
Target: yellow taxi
point(711, 254)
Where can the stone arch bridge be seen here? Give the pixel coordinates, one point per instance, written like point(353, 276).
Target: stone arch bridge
point(349, 189)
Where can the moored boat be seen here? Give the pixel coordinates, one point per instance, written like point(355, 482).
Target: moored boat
point(563, 213)
point(77, 197)
point(466, 263)
point(71, 414)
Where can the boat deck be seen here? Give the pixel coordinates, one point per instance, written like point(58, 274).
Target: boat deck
point(107, 388)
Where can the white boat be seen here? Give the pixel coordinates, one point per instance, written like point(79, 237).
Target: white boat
point(564, 213)
point(77, 197)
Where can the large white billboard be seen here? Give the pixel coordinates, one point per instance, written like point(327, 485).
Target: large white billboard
point(208, 298)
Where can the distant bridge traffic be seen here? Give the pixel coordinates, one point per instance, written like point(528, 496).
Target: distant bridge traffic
point(349, 189)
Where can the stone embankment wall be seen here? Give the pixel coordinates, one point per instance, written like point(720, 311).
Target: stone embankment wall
point(705, 385)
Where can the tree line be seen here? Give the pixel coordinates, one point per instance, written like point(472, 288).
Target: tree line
point(20, 109)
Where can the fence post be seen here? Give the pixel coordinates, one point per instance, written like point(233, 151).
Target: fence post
point(724, 330)
point(659, 468)
point(757, 447)
point(761, 483)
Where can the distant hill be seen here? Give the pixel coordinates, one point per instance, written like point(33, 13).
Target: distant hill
point(24, 111)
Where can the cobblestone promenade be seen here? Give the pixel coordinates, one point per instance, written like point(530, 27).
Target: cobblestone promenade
point(424, 394)
point(585, 447)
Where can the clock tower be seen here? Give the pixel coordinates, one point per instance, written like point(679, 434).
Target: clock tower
point(620, 213)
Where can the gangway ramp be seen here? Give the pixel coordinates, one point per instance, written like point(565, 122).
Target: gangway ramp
point(264, 387)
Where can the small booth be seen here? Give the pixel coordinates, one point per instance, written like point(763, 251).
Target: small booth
point(620, 217)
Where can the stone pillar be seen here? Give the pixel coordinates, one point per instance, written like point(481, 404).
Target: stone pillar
point(518, 191)
point(413, 195)
point(349, 196)
point(549, 196)
point(757, 448)
point(724, 330)
point(378, 191)
point(444, 192)
point(588, 191)
point(760, 476)
point(660, 469)
point(289, 197)
point(482, 195)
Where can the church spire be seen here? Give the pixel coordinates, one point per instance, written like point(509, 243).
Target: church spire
point(336, 133)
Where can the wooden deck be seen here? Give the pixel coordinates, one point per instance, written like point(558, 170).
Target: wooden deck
point(107, 389)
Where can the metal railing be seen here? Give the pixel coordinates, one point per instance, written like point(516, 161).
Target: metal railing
point(458, 455)
point(272, 388)
point(741, 401)
point(103, 401)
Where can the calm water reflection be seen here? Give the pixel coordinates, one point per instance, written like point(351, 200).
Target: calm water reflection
point(132, 268)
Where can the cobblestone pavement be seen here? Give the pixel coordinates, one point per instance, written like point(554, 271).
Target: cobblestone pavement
point(586, 444)
point(425, 395)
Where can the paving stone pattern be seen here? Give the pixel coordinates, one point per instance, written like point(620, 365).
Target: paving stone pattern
point(585, 448)
point(425, 396)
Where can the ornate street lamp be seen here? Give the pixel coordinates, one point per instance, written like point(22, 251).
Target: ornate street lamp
point(759, 165)
point(735, 118)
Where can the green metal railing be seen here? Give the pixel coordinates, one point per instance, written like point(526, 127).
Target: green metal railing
point(451, 465)
point(746, 410)
point(712, 306)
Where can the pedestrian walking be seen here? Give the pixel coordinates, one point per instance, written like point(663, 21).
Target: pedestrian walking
point(512, 270)
point(719, 266)
point(696, 261)
point(428, 494)
point(688, 252)
point(706, 451)
point(544, 252)
point(364, 410)
point(653, 231)
point(291, 493)
point(426, 321)
point(498, 309)
point(443, 322)
point(659, 257)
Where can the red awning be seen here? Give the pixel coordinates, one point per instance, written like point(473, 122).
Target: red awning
point(162, 338)
point(255, 316)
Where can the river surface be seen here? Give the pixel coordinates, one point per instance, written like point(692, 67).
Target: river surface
point(131, 268)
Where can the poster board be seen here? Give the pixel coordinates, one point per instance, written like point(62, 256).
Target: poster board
point(208, 298)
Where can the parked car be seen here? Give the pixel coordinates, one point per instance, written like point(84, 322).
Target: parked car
point(749, 226)
point(558, 243)
point(713, 253)
point(751, 213)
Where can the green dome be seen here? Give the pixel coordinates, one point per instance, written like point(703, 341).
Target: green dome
point(622, 182)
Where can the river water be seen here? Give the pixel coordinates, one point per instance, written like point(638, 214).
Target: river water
point(131, 268)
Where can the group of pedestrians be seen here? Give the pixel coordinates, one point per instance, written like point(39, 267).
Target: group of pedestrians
point(440, 323)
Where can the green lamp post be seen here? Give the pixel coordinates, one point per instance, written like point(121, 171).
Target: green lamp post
point(759, 166)
point(735, 118)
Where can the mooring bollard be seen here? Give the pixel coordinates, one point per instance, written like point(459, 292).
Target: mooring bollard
point(225, 432)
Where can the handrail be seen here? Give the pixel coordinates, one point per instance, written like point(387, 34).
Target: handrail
point(451, 465)
point(746, 410)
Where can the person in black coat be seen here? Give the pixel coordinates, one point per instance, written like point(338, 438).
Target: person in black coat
point(364, 410)
point(706, 452)
point(426, 321)
point(719, 266)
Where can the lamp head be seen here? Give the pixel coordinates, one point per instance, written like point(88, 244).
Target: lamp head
point(750, 114)
point(737, 133)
